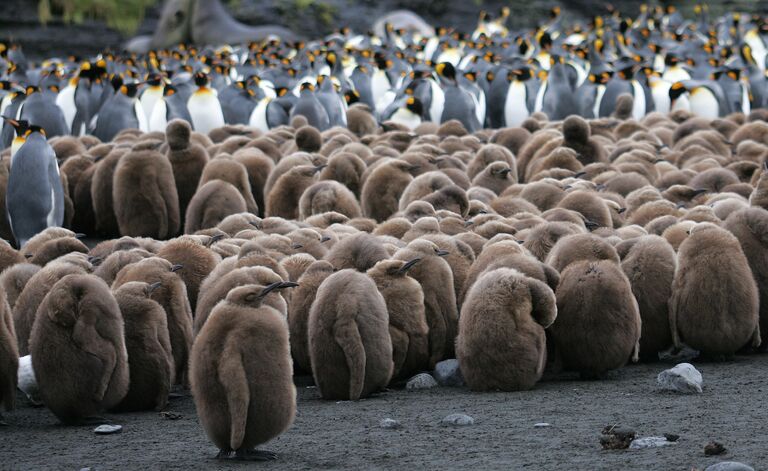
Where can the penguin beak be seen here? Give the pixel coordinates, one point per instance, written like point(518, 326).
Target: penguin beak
point(621, 210)
point(591, 225)
point(519, 241)
point(255, 224)
point(95, 261)
point(442, 253)
point(698, 192)
point(80, 235)
point(407, 266)
point(505, 171)
point(579, 174)
point(320, 167)
point(297, 246)
point(324, 239)
point(468, 223)
point(151, 288)
point(215, 239)
point(28, 256)
point(176, 268)
point(277, 285)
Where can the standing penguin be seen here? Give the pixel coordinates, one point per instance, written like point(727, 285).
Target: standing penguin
point(78, 349)
point(121, 111)
point(333, 103)
point(35, 196)
point(241, 374)
point(556, 95)
point(349, 343)
point(310, 107)
point(204, 107)
point(40, 108)
point(408, 115)
point(516, 100)
point(459, 104)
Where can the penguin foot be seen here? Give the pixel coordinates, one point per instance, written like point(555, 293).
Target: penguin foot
point(255, 455)
point(224, 454)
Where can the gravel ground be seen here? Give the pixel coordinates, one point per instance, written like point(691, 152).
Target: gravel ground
point(346, 435)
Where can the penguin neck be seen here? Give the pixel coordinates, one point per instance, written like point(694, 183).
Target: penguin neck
point(18, 141)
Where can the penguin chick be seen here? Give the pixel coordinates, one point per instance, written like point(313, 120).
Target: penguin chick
point(501, 342)
point(543, 237)
point(598, 321)
point(116, 261)
point(78, 349)
point(497, 177)
point(349, 343)
point(298, 312)
point(283, 199)
point(211, 204)
point(381, 192)
point(407, 321)
point(308, 139)
point(149, 348)
point(55, 248)
point(649, 262)
point(144, 194)
point(9, 358)
point(576, 135)
point(326, 196)
point(241, 375)
point(759, 196)
point(436, 279)
point(14, 279)
point(714, 318)
point(187, 158)
point(233, 172)
point(580, 247)
point(359, 251)
point(198, 261)
point(589, 205)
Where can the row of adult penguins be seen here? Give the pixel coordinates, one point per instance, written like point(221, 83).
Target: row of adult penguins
point(575, 246)
point(493, 77)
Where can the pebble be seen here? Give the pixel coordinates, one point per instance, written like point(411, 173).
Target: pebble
point(649, 442)
point(108, 429)
point(729, 466)
point(683, 378)
point(458, 420)
point(170, 415)
point(421, 381)
point(714, 448)
point(390, 423)
point(616, 437)
point(542, 425)
point(447, 373)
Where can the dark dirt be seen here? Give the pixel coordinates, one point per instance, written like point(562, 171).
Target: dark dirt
point(346, 435)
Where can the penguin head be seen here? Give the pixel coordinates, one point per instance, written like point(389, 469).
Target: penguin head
point(676, 90)
point(253, 295)
point(414, 105)
point(307, 87)
point(155, 80)
point(129, 89)
point(522, 74)
point(446, 70)
point(31, 89)
point(351, 97)
point(201, 79)
point(33, 128)
point(21, 126)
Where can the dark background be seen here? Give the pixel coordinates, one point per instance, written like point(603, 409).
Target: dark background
point(19, 21)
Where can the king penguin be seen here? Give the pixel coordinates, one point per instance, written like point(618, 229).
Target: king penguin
point(35, 197)
point(556, 95)
point(458, 104)
point(204, 107)
point(516, 102)
point(333, 103)
point(74, 100)
point(705, 98)
point(310, 107)
point(40, 107)
point(408, 115)
point(121, 111)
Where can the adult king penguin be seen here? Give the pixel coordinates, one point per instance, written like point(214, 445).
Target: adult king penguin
point(35, 197)
point(204, 107)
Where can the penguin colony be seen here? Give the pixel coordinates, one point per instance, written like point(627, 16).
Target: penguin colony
point(363, 207)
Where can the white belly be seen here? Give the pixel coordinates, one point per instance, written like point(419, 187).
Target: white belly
point(598, 100)
point(159, 119)
point(258, 118)
point(386, 100)
point(205, 110)
point(438, 102)
point(539, 103)
point(638, 105)
point(149, 99)
point(66, 101)
point(143, 122)
point(746, 106)
point(704, 103)
point(660, 95)
point(407, 118)
point(379, 85)
point(479, 107)
point(515, 107)
point(682, 103)
point(675, 74)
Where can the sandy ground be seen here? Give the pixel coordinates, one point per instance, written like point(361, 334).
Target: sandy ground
point(346, 435)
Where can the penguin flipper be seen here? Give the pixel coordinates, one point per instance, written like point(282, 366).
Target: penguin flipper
point(87, 337)
point(347, 336)
point(232, 377)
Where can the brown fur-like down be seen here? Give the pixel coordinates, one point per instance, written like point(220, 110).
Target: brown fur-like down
point(759, 196)
point(714, 305)
point(298, 312)
point(283, 198)
point(9, 256)
point(407, 321)
point(750, 226)
point(598, 321)
point(116, 261)
point(240, 372)
point(349, 343)
point(101, 192)
point(579, 247)
point(212, 203)
point(78, 349)
point(234, 173)
point(436, 280)
point(649, 263)
point(9, 358)
point(172, 296)
point(328, 195)
point(14, 279)
point(359, 251)
point(26, 307)
point(187, 160)
point(501, 342)
point(55, 248)
point(380, 195)
point(144, 194)
point(198, 262)
point(149, 348)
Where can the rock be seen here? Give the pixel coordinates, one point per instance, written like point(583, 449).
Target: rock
point(649, 442)
point(108, 429)
point(390, 423)
point(542, 425)
point(683, 378)
point(27, 382)
point(421, 381)
point(616, 437)
point(447, 373)
point(685, 353)
point(458, 420)
point(170, 415)
point(672, 437)
point(714, 448)
point(729, 466)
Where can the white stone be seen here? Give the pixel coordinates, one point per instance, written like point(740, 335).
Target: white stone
point(421, 381)
point(108, 429)
point(729, 466)
point(458, 420)
point(683, 378)
point(447, 373)
point(542, 425)
point(649, 442)
point(390, 423)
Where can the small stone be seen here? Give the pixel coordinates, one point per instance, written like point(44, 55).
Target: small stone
point(108, 429)
point(672, 437)
point(714, 448)
point(616, 437)
point(390, 423)
point(729, 466)
point(447, 373)
point(649, 442)
point(683, 378)
point(421, 381)
point(459, 420)
point(542, 425)
point(170, 415)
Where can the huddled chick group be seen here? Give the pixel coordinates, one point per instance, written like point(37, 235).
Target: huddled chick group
point(364, 259)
